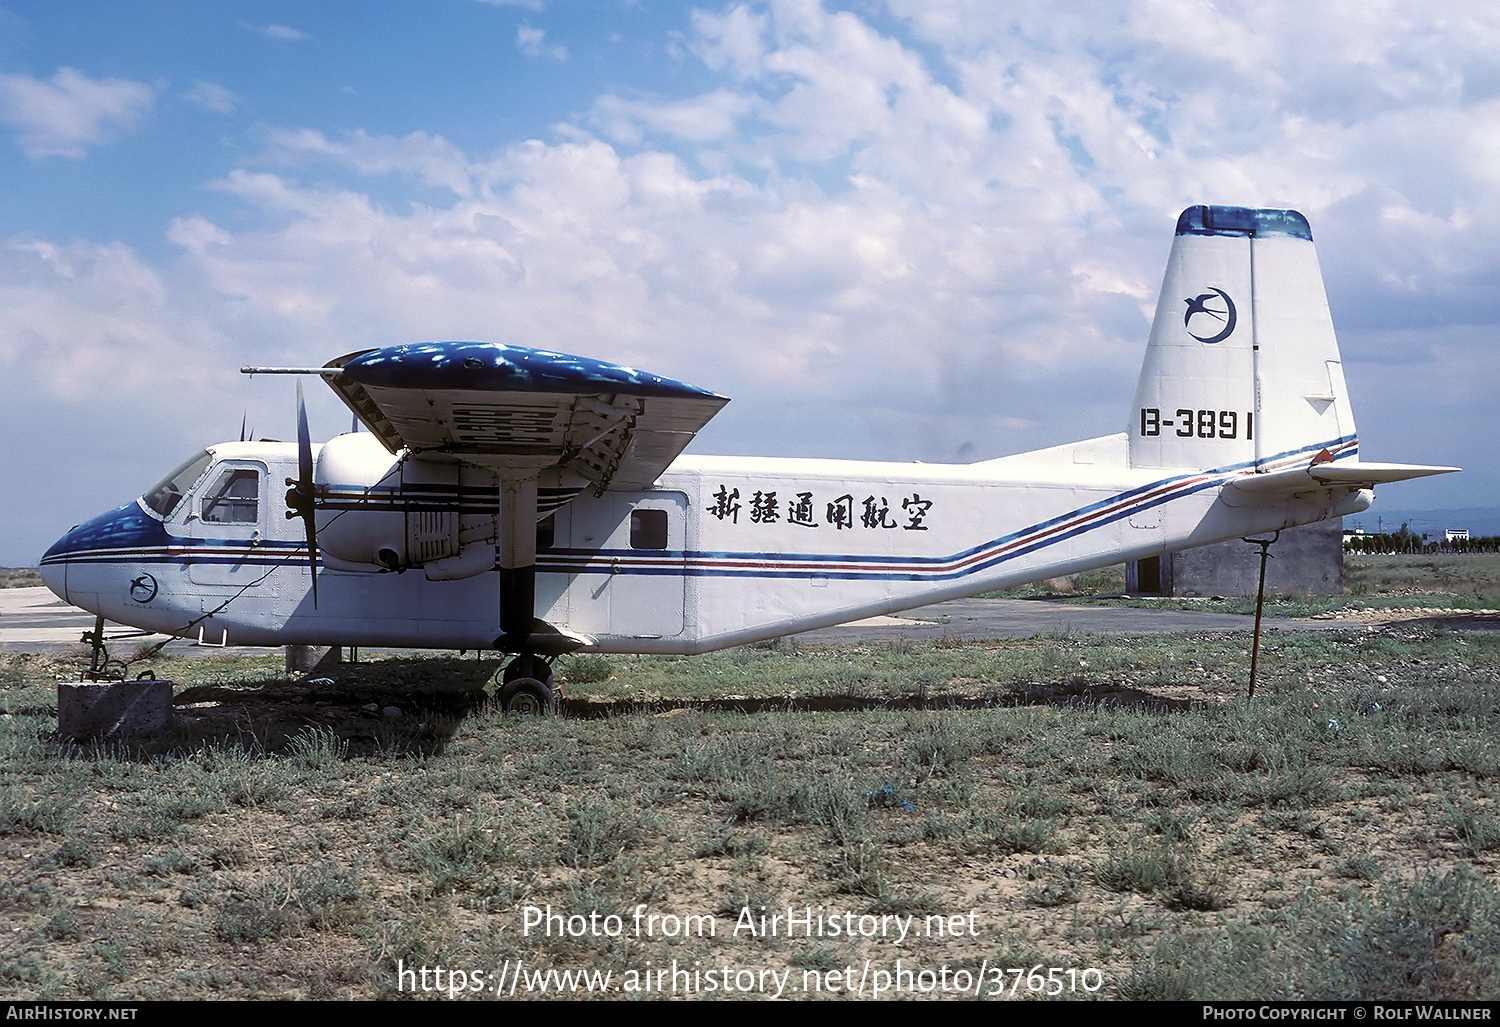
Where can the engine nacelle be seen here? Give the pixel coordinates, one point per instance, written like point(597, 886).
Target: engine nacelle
point(378, 512)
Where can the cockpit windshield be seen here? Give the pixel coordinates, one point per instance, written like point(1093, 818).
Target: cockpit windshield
point(169, 491)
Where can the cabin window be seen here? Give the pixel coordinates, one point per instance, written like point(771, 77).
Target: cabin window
point(648, 529)
point(234, 498)
point(163, 499)
point(546, 532)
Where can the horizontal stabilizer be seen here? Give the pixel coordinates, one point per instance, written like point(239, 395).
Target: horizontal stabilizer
point(1350, 474)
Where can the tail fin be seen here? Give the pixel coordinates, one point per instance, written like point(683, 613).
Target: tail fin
point(1242, 369)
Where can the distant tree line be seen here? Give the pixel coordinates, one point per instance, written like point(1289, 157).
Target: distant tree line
point(1407, 541)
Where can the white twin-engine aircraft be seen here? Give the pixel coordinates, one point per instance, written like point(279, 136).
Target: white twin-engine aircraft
point(536, 503)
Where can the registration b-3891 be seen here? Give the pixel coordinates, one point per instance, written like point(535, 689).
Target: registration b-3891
point(1203, 424)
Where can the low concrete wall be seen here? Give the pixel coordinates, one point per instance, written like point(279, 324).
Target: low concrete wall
point(1306, 559)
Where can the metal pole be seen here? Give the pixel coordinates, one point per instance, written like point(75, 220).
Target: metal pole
point(1260, 601)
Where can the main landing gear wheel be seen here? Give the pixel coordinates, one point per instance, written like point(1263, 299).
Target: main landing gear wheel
point(527, 666)
point(527, 697)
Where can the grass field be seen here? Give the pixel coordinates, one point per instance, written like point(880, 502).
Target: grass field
point(1441, 581)
point(1082, 817)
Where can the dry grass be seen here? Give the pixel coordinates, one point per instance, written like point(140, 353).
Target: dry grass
point(23, 577)
point(1108, 808)
point(1074, 804)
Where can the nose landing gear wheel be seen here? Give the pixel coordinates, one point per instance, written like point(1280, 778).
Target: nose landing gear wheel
point(527, 697)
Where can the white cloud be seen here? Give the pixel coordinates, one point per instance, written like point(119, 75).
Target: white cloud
point(700, 119)
point(429, 159)
point(67, 114)
point(532, 42)
point(83, 319)
point(838, 192)
point(733, 40)
point(285, 34)
point(212, 97)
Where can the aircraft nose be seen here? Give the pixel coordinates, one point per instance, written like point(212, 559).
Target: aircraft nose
point(54, 567)
point(97, 551)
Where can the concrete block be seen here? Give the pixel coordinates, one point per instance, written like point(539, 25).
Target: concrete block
point(113, 709)
point(312, 659)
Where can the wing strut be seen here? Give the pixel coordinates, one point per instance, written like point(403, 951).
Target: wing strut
point(517, 562)
point(520, 630)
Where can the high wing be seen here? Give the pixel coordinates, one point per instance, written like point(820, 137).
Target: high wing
point(518, 413)
point(517, 410)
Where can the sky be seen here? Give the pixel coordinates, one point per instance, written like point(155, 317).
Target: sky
point(907, 230)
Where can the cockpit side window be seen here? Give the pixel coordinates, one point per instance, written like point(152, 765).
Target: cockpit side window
point(163, 499)
point(234, 498)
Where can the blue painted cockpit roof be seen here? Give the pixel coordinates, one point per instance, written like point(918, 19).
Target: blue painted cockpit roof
point(1206, 219)
point(495, 367)
point(127, 526)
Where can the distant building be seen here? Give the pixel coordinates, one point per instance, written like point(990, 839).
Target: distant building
point(1307, 560)
point(1456, 533)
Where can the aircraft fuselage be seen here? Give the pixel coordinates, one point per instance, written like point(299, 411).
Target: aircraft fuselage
point(722, 551)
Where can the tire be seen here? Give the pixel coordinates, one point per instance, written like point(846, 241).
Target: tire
point(533, 667)
point(527, 697)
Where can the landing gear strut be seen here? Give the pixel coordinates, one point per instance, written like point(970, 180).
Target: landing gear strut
point(101, 667)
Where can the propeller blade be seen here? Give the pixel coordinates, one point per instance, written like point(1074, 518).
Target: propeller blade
point(304, 491)
point(244, 420)
point(304, 444)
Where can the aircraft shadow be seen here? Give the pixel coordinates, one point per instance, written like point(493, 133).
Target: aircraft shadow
point(390, 709)
point(1072, 693)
